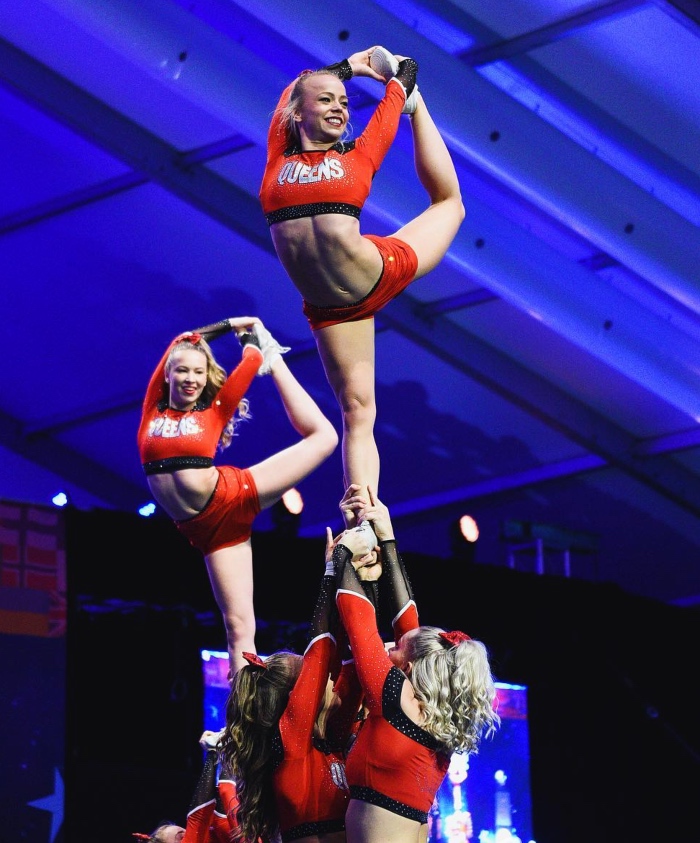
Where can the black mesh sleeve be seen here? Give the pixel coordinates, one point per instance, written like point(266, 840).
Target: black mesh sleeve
point(342, 652)
point(371, 590)
point(220, 808)
point(345, 575)
point(406, 74)
point(216, 329)
point(325, 604)
point(249, 338)
point(398, 587)
point(206, 786)
point(341, 69)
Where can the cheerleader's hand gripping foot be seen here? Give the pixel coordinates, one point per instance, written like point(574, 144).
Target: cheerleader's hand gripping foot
point(269, 346)
point(383, 63)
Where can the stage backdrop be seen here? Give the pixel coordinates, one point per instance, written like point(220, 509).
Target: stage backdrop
point(33, 665)
point(614, 737)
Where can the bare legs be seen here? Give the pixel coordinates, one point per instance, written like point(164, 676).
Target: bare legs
point(231, 576)
point(347, 354)
point(432, 232)
point(347, 350)
point(231, 568)
point(280, 472)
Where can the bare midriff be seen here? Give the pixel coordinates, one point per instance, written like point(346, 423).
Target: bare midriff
point(327, 258)
point(184, 493)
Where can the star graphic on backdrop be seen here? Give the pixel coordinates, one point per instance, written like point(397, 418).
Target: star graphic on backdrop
point(54, 804)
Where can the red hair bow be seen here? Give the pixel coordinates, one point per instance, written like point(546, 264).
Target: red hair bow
point(140, 836)
point(190, 336)
point(254, 660)
point(455, 638)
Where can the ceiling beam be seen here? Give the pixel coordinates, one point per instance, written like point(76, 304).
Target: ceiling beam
point(72, 467)
point(545, 284)
point(100, 191)
point(562, 28)
point(531, 84)
point(567, 181)
point(686, 12)
point(143, 151)
point(441, 337)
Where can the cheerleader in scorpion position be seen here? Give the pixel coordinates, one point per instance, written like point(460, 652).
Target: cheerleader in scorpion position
point(189, 413)
point(315, 184)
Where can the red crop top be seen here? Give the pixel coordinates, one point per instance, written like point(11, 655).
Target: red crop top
point(333, 181)
point(394, 763)
point(169, 439)
point(311, 793)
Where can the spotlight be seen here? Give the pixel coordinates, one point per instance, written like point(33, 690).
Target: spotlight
point(147, 509)
point(286, 514)
point(60, 499)
point(293, 501)
point(468, 528)
point(463, 537)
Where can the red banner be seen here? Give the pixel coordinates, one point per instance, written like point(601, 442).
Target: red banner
point(32, 570)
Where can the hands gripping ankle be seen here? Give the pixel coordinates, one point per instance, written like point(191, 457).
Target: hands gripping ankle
point(269, 346)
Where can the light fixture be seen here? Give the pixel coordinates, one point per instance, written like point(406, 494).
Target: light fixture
point(468, 528)
point(293, 501)
point(464, 534)
point(60, 499)
point(286, 513)
point(147, 509)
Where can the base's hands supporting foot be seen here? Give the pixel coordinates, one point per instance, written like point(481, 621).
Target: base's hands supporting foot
point(362, 542)
point(369, 566)
point(367, 532)
point(357, 542)
point(377, 514)
point(352, 505)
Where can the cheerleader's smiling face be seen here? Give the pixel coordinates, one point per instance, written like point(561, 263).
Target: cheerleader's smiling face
point(186, 376)
point(323, 115)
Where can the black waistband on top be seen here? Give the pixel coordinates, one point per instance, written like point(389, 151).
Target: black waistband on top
point(374, 797)
point(170, 464)
point(313, 209)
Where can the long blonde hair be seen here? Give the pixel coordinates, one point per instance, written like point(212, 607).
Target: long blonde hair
point(454, 685)
point(216, 378)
